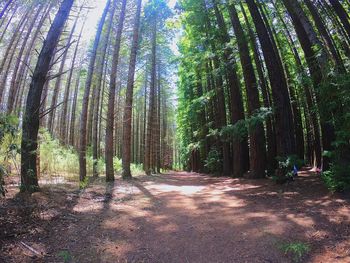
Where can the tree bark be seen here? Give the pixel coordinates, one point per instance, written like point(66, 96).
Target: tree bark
point(342, 14)
point(285, 140)
point(257, 133)
point(111, 98)
point(29, 145)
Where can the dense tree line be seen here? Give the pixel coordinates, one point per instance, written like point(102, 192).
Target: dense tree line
point(264, 86)
point(107, 98)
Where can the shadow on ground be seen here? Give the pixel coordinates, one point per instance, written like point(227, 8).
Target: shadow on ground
point(182, 217)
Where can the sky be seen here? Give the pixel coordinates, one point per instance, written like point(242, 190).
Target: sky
point(96, 13)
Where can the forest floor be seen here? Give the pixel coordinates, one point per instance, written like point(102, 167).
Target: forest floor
point(177, 217)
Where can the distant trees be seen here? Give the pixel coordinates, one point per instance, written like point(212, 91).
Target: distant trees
point(261, 84)
point(116, 84)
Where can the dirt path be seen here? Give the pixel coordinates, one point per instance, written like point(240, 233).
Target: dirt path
point(179, 217)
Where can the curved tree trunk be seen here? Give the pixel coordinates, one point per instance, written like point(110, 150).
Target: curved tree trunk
point(29, 145)
point(285, 140)
point(257, 133)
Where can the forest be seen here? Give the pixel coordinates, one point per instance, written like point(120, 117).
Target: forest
point(174, 131)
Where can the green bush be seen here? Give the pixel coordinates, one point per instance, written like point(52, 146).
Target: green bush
point(214, 161)
point(337, 179)
point(117, 165)
point(136, 169)
point(9, 146)
point(285, 171)
point(57, 159)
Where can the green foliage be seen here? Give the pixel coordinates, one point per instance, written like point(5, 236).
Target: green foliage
point(337, 179)
point(84, 184)
point(9, 146)
point(65, 255)
point(296, 249)
point(117, 164)
point(214, 161)
point(286, 167)
point(336, 110)
point(240, 129)
point(56, 159)
point(136, 169)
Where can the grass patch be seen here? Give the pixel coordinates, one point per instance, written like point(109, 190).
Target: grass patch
point(296, 249)
point(65, 255)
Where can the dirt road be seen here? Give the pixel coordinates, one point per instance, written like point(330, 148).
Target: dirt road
point(179, 217)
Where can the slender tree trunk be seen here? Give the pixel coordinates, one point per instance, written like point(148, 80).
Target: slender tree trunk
point(12, 90)
point(2, 12)
point(148, 149)
point(326, 36)
point(7, 24)
point(240, 145)
point(85, 106)
point(111, 99)
point(74, 108)
point(54, 99)
point(15, 83)
point(64, 114)
point(97, 91)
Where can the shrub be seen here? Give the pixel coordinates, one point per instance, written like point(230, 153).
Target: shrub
point(296, 249)
point(214, 161)
point(286, 168)
point(9, 146)
point(117, 165)
point(56, 159)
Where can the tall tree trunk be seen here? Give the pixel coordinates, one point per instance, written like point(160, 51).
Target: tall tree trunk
point(268, 103)
point(317, 64)
point(74, 108)
point(29, 145)
point(111, 99)
point(326, 36)
point(151, 109)
point(61, 72)
point(256, 132)
point(342, 14)
point(97, 91)
point(85, 106)
point(240, 145)
point(129, 96)
point(4, 30)
point(15, 83)
point(12, 90)
point(64, 114)
point(285, 140)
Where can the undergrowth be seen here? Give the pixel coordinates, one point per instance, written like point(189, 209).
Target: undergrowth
point(296, 249)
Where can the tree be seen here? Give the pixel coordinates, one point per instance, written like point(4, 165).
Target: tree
point(86, 97)
point(256, 131)
point(127, 119)
point(112, 88)
point(29, 144)
point(285, 140)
